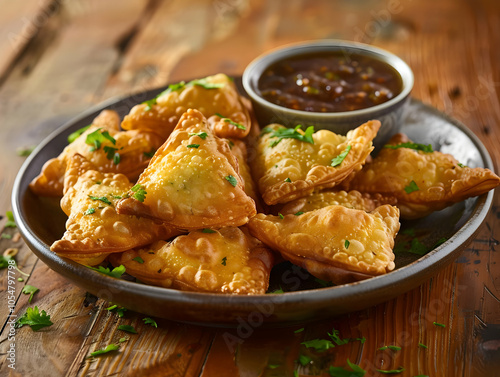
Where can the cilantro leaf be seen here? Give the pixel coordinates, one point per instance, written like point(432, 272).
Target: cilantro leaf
point(422, 345)
point(205, 84)
point(96, 138)
point(281, 216)
point(196, 146)
point(392, 348)
point(118, 309)
point(418, 247)
point(112, 154)
point(10, 223)
point(233, 181)
point(299, 330)
point(30, 290)
point(127, 328)
point(318, 344)
point(138, 260)
point(346, 244)
point(5, 236)
point(109, 348)
point(411, 187)
point(277, 291)
point(202, 135)
point(304, 360)
point(150, 154)
point(73, 136)
point(336, 161)
point(24, 152)
point(336, 338)
point(298, 213)
point(292, 133)
point(207, 230)
point(224, 260)
point(356, 371)
point(392, 371)
point(139, 192)
point(102, 199)
point(418, 147)
point(150, 321)
point(4, 261)
point(438, 324)
point(90, 211)
point(117, 272)
point(228, 120)
point(34, 319)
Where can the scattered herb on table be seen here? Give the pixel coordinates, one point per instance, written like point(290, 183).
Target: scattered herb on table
point(109, 348)
point(318, 344)
point(34, 318)
point(10, 223)
point(356, 371)
point(127, 328)
point(392, 371)
point(150, 321)
point(30, 290)
point(438, 324)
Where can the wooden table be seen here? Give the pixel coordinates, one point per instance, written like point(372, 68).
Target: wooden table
point(60, 57)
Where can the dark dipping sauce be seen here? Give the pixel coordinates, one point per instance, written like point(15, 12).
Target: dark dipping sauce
point(329, 82)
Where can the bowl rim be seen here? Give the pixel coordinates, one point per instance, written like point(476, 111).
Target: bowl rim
point(256, 67)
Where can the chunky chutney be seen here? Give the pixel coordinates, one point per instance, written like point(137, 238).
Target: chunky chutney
point(329, 82)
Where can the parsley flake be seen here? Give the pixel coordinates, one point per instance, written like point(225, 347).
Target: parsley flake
point(336, 161)
point(150, 154)
point(118, 309)
point(96, 138)
point(34, 319)
point(337, 339)
point(299, 330)
point(277, 291)
point(127, 328)
point(24, 152)
point(139, 192)
point(417, 247)
point(193, 146)
point(109, 348)
point(150, 321)
point(346, 244)
point(30, 290)
point(73, 136)
point(138, 260)
point(231, 180)
point(205, 84)
point(418, 147)
point(438, 324)
point(224, 260)
point(422, 346)
point(392, 371)
point(411, 187)
point(116, 272)
point(202, 135)
point(102, 199)
point(5, 236)
point(304, 360)
point(207, 230)
point(292, 133)
point(112, 154)
point(90, 211)
point(356, 371)
point(228, 120)
point(10, 223)
point(392, 348)
point(281, 216)
point(288, 180)
point(319, 344)
point(298, 213)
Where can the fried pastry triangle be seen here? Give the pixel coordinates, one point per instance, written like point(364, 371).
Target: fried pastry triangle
point(291, 164)
point(333, 243)
point(422, 181)
point(225, 261)
point(192, 182)
point(215, 97)
point(94, 228)
point(350, 199)
point(109, 149)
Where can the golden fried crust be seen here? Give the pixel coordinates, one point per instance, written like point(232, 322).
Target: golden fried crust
point(77, 165)
point(192, 182)
point(94, 228)
point(293, 168)
point(334, 243)
point(226, 261)
point(133, 147)
point(221, 105)
point(350, 199)
point(439, 179)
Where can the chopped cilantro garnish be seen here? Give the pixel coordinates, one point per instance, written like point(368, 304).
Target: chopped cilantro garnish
point(4, 261)
point(336, 161)
point(139, 192)
point(193, 146)
point(362, 340)
point(288, 180)
point(346, 244)
point(127, 328)
point(337, 339)
point(319, 344)
point(24, 152)
point(228, 120)
point(207, 230)
point(292, 133)
point(417, 247)
point(281, 216)
point(356, 371)
point(461, 165)
point(30, 290)
point(299, 330)
point(422, 345)
point(124, 339)
point(150, 154)
point(205, 84)
point(392, 371)
point(5, 236)
point(224, 260)
point(90, 211)
point(102, 199)
point(96, 138)
point(231, 180)
point(116, 272)
point(20, 279)
point(298, 213)
point(202, 135)
point(109, 348)
point(322, 282)
point(273, 366)
point(138, 260)
point(421, 375)
point(10, 223)
point(304, 360)
point(112, 154)
point(150, 321)
point(438, 324)
point(118, 309)
point(418, 147)
point(73, 136)
point(440, 242)
point(392, 348)
point(277, 291)
point(409, 232)
point(411, 187)
point(34, 319)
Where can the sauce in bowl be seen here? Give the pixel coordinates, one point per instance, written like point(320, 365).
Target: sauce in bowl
point(329, 82)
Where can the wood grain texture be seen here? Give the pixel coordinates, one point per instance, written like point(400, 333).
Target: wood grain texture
point(89, 51)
